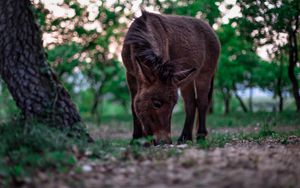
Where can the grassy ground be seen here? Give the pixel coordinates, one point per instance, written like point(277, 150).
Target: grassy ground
point(33, 155)
point(238, 119)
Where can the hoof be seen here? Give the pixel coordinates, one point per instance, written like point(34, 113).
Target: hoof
point(184, 140)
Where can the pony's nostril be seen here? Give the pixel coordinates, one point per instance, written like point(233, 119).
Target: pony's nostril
point(162, 138)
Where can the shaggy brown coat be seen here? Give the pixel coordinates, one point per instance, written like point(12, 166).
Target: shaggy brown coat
point(162, 53)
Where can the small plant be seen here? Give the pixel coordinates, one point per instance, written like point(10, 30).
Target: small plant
point(267, 127)
point(215, 140)
point(203, 144)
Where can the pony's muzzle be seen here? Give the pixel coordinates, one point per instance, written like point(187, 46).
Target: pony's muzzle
point(162, 138)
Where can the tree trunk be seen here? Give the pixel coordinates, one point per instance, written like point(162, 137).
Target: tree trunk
point(244, 107)
point(280, 102)
point(97, 102)
point(279, 86)
point(98, 95)
point(251, 99)
point(34, 87)
point(226, 97)
point(293, 58)
point(227, 105)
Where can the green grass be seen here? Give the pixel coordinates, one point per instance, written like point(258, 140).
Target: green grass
point(238, 119)
point(244, 119)
point(220, 139)
point(31, 147)
point(23, 146)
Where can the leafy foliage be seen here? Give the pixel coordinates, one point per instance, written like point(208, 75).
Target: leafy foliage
point(205, 9)
point(83, 44)
point(274, 23)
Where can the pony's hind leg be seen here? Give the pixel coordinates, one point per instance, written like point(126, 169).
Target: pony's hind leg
point(188, 95)
point(204, 88)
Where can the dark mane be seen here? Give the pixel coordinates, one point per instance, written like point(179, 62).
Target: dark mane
point(144, 45)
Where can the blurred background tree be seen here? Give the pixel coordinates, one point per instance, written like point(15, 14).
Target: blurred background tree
point(23, 66)
point(275, 23)
point(205, 9)
point(238, 63)
point(258, 67)
point(85, 50)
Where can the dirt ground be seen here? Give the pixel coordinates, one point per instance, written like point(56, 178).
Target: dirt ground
point(117, 132)
point(267, 163)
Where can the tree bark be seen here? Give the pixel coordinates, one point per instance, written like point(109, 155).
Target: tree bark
point(280, 105)
point(279, 86)
point(293, 58)
point(23, 66)
point(226, 97)
point(244, 107)
point(97, 101)
point(241, 102)
point(251, 98)
point(227, 106)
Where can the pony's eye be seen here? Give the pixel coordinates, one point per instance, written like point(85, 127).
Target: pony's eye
point(157, 104)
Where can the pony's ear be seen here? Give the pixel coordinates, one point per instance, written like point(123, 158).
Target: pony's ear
point(183, 71)
point(145, 72)
point(181, 76)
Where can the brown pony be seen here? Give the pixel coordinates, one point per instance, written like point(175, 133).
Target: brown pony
point(164, 53)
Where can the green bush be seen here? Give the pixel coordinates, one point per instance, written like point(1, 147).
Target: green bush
point(31, 146)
